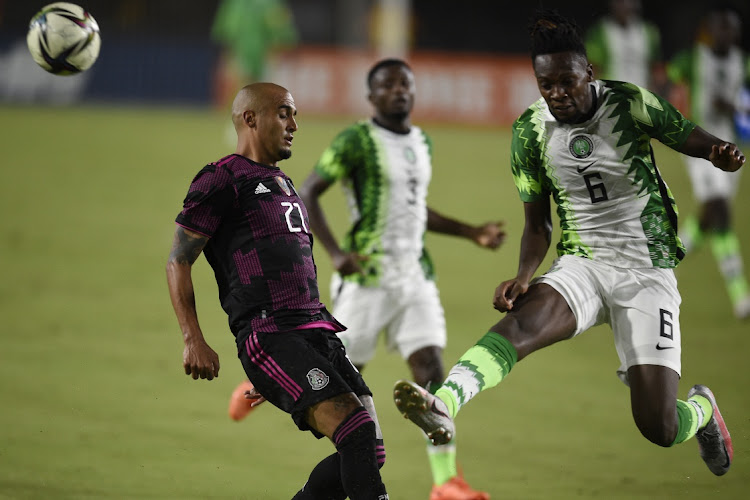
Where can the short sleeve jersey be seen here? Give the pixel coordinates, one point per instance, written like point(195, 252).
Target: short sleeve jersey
point(612, 203)
point(624, 52)
point(385, 177)
point(260, 246)
point(706, 76)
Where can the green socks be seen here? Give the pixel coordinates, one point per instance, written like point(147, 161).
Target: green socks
point(442, 460)
point(726, 250)
point(692, 415)
point(483, 366)
point(691, 234)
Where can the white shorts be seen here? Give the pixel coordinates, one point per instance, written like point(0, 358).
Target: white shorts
point(641, 305)
point(710, 182)
point(410, 314)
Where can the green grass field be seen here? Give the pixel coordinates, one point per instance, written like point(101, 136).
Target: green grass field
point(94, 400)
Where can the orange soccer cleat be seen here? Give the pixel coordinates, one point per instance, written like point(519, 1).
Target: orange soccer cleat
point(239, 407)
point(456, 489)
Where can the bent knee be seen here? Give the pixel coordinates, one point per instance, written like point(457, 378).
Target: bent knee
point(661, 434)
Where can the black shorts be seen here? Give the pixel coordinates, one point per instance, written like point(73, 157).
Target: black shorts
point(297, 369)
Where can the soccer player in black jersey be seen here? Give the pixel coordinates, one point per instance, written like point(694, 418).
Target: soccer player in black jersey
point(244, 214)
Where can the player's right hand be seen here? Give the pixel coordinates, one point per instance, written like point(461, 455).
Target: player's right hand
point(349, 263)
point(200, 361)
point(506, 293)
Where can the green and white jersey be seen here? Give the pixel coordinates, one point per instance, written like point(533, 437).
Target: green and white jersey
point(385, 176)
point(624, 53)
point(612, 204)
point(707, 76)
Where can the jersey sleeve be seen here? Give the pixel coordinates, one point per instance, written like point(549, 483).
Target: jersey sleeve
point(659, 118)
point(596, 45)
point(654, 43)
point(679, 67)
point(210, 196)
point(525, 159)
point(342, 155)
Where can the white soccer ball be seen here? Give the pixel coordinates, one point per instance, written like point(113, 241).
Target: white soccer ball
point(63, 38)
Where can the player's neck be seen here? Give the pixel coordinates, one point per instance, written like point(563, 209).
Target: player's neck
point(398, 126)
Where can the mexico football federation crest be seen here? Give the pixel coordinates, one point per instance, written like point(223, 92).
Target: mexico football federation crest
point(317, 378)
point(581, 146)
point(283, 185)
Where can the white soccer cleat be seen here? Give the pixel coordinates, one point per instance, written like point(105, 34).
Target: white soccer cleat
point(714, 440)
point(742, 308)
point(427, 411)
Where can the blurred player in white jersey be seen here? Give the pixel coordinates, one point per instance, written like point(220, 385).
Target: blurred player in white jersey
point(586, 143)
point(623, 46)
point(384, 279)
point(714, 71)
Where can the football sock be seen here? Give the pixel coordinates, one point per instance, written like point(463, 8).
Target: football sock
point(356, 443)
point(324, 481)
point(692, 415)
point(691, 234)
point(726, 250)
point(442, 457)
point(483, 366)
point(442, 460)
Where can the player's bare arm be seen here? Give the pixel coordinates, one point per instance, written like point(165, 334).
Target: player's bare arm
point(199, 360)
point(724, 155)
point(345, 263)
point(535, 241)
point(489, 235)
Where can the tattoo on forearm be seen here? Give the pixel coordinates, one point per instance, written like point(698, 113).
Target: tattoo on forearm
point(186, 247)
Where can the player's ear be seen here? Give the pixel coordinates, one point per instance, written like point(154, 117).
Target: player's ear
point(248, 116)
point(590, 72)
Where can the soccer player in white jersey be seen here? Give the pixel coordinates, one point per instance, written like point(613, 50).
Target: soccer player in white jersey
point(586, 143)
point(714, 71)
point(384, 280)
point(623, 46)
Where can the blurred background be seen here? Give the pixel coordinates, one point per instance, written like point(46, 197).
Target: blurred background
point(471, 57)
point(93, 170)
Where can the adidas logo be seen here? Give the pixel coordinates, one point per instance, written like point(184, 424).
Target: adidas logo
point(261, 189)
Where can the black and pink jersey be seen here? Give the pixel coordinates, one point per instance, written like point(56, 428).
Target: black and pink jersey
point(260, 245)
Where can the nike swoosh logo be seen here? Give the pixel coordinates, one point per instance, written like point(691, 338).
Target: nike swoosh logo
point(435, 410)
point(581, 170)
point(661, 348)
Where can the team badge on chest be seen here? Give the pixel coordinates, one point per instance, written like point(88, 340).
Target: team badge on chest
point(317, 379)
point(283, 185)
point(581, 146)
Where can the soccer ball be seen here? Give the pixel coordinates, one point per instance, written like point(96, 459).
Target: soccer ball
point(63, 38)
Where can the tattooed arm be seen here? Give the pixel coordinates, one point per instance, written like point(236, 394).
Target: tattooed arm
point(198, 359)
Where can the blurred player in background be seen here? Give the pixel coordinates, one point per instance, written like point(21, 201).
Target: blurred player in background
point(622, 46)
point(586, 143)
point(714, 72)
point(244, 213)
point(385, 279)
point(249, 31)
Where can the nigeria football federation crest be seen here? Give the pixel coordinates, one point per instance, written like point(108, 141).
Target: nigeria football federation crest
point(410, 155)
point(317, 378)
point(581, 146)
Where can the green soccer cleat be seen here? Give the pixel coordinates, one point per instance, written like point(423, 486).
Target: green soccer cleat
point(714, 440)
point(427, 411)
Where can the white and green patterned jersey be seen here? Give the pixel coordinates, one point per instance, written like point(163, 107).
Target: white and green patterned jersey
point(707, 76)
point(385, 176)
point(612, 203)
point(624, 53)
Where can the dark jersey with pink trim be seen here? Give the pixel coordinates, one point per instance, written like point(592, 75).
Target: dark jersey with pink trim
point(260, 245)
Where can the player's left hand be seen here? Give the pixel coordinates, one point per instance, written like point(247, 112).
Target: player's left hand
point(489, 235)
point(254, 394)
point(726, 156)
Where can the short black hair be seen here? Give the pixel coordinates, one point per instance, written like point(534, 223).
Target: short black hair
point(384, 63)
point(552, 33)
